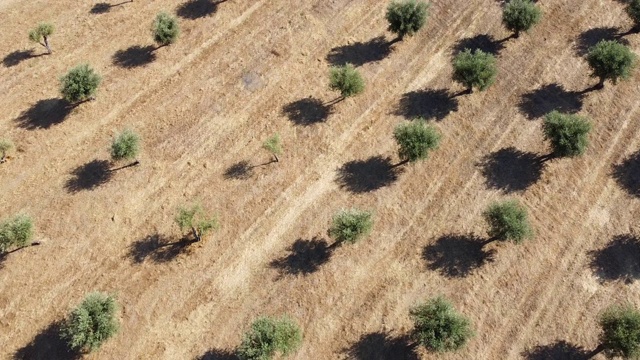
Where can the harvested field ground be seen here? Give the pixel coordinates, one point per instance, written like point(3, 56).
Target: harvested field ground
point(245, 69)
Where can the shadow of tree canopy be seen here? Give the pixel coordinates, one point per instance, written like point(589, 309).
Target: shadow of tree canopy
point(427, 104)
point(307, 111)
point(457, 255)
point(158, 248)
point(484, 42)
point(218, 354)
point(591, 37)
point(361, 176)
point(627, 174)
point(44, 114)
point(547, 98)
point(18, 56)
point(47, 345)
point(305, 257)
point(89, 176)
point(134, 56)
point(195, 9)
point(241, 170)
point(511, 170)
point(360, 53)
point(382, 346)
point(559, 350)
point(619, 260)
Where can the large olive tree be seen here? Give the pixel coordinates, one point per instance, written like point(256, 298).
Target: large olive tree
point(406, 17)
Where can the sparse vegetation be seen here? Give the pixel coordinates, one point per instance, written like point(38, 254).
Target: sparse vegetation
point(349, 226)
point(475, 69)
point(41, 35)
point(268, 337)
point(165, 29)
point(567, 133)
point(438, 327)
point(125, 146)
point(91, 324)
point(415, 140)
point(508, 221)
point(520, 15)
point(79, 84)
point(620, 332)
point(610, 60)
point(347, 80)
point(406, 17)
point(5, 147)
point(195, 220)
point(15, 232)
point(274, 146)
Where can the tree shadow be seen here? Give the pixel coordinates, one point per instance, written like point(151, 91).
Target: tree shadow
point(218, 354)
point(47, 345)
point(457, 255)
point(427, 104)
point(134, 56)
point(627, 174)
point(306, 257)
point(241, 170)
point(591, 37)
point(511, 170)
point(361, 176)
point(619, 260)
point(158, 248)
point(44, 114)
point(360, 53)
point(382, 346)
point(103, 7)
point(484, 42)
point(195, 9)
point(18, 56)
point(547, 98)
point(307, 111)
point(559, 350)
point(89, 176)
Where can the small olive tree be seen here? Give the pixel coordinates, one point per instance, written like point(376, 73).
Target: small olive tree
point(41, 35)
point(347, 80)
point(349, 226)
point(16, 232)
point(610, 60)
point(475, 69)
point(79, 84)
point(91, 323)
point(620, 332)
point(633, 9)
point(274, 146)
point(194, 220)
point(165, 29)
point(520, 15)
point(5, 146)
point(268, 337)
point(415, 140)
point(406, 17)
point(438, 327)
point(508, 220)
point(567, 133)
point(126, 146)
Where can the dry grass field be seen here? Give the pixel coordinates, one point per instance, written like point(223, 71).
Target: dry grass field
point(245, 69)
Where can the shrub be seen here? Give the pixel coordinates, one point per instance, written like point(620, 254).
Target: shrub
point(16, 232)
point(91, 323)
point(474, 69)
point(406, 17)
point(520, 15)
point(438, 327)
point(567, 133)
point(274, 146)
point(347, 80)
point(610, 60)
point(351, 225)
point(508, 220)
point(415, 140)
point(194, 219)
point(41, 35)
point(125, 146)
point(5, 147)
point(633, 9)
point(165, 29)
point(269, 336)
point(620, 332)
point(79, 84)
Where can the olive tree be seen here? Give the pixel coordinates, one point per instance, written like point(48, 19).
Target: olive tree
point(268, 337)
point(79, 84)
point(620, 332)
point(507, 220)
point(520, 15)
point(610, 60)
point(406, 17)
point(274, 146)
point(438, 327)
point(165, 29)
point(5, 147)
point(41, 35)
point(633, 9)
point(16, 232)
point(91, 323)
point(475, 69)
point(126, 146)
point(349, 226)
point(347, 80)
point(415, 140)
point(567, 133)
point(196, 221)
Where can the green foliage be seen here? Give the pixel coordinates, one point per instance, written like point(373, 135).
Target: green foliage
point(165, 29)
point(475, 69)
point(269, 336)
point(415, 140)
point(568, 133)
point(351, 225)
point(91, 323)
point(16, 232)
point(5, 146)
point(273, 145)
point(520, 15)
point(79, 84)
point(194, 218)
point(610, 60)
point(126, 146)
point(406, 17)
point(346, 79)
point(633, 9)
point(621, 332)
point(41, 32)
point(508, 220)
point(438, 327)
